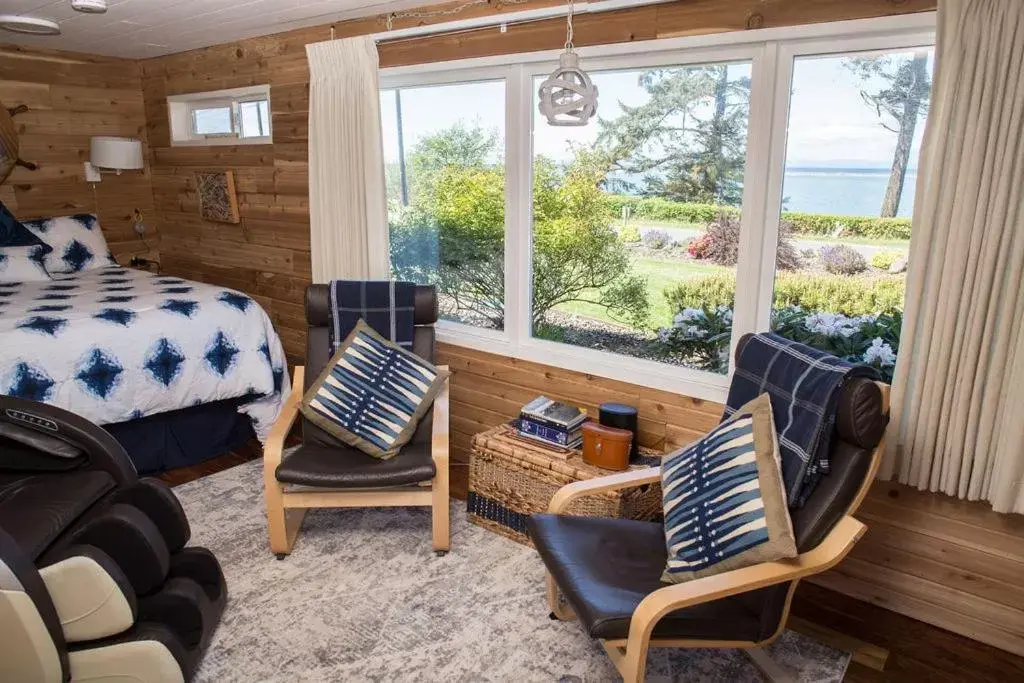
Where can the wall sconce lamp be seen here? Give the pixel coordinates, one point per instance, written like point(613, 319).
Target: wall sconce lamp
point(112, 154)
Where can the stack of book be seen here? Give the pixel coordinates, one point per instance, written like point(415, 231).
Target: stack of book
point(551, 422)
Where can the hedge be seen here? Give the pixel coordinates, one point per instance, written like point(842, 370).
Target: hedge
point(813, 292)
point(658, 209)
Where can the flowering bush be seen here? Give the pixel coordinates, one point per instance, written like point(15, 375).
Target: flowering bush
point(883, 260)
point(629, 234)
point(657, 239)
point(701, 336)
point(698, 247)
point(720, 243)
point(840, 259)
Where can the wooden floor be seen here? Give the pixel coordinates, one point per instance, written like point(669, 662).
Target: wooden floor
point(916, 651)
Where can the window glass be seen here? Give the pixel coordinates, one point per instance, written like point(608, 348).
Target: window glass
point(444, 155)
point(636, 216)
point(255, 118)
point(853, 140)
point(212, 120)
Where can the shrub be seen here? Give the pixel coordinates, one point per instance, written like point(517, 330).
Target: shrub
point(883, 260)
point(840, 259)
point(629, 235)
point(701, 336)
point(658, 209)
point(656, 239)
point(720, 244)
point(812, 292)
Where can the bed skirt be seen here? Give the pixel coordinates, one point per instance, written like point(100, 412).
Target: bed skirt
point(184, 437)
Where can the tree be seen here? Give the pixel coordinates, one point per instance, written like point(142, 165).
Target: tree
point(453, 234)
point(897, 89)
point(682, 152)
point(454, 147)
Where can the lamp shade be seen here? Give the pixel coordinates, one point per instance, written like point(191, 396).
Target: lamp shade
point(118, 154)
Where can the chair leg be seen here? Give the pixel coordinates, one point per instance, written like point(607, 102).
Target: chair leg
point(559, 610)
point(282, 524)
point(440, 514)
point(770, 669)
point(632, 665)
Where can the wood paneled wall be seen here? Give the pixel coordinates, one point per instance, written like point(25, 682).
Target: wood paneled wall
point(70, 99)
point(267, 255)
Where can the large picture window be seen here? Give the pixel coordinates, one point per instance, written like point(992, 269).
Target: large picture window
point(728, 185)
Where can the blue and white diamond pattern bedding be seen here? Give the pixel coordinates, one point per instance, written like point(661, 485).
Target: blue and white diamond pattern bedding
point(23, 264)
point(78, 243)
point(115, 344)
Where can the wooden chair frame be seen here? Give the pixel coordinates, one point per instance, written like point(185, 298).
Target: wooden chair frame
point(630, 654)
point(286, 508)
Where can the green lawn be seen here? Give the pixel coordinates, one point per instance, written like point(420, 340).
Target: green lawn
point(660, 276)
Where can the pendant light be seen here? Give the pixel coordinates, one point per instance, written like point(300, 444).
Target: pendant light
point(568, 97)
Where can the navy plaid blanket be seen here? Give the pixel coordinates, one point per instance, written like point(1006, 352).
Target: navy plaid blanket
point(386, 306)
point(805, 385)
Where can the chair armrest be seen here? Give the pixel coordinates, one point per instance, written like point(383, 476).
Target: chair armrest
point(274, 447)
point(439, 427)
point(613, 482)
point(826, 555)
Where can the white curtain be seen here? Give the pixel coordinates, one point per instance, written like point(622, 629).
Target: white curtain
point(347, 196)
point(958, 393)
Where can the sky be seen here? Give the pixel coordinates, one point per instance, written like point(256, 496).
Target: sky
point(829, 123)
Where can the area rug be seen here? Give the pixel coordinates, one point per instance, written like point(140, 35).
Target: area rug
point(363, 598)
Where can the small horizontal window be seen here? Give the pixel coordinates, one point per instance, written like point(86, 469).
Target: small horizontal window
point(238, 116)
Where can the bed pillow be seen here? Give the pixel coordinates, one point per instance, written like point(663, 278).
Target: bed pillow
point(724, 500)
point(23, 264)
point(77, 241)
point(373, 393)
point(14, 234)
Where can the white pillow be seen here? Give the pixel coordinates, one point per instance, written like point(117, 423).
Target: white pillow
point(77, 241)
point(23, 264)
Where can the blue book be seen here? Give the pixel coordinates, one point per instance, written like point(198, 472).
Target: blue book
point(548, 434)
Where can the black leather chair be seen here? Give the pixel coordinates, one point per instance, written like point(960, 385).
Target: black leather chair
point(324, 472)
point(609, 570)
point(95, 581)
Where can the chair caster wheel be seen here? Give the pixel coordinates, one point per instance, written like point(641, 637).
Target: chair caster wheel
point(440, 553)
point(281, 556)
point(552, 616)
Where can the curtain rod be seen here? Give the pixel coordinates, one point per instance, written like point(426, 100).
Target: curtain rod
point(504, 20)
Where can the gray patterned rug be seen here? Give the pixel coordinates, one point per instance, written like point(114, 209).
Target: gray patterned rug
point(363, 598)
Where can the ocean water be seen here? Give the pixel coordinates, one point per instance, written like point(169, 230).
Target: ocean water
point(846, 192)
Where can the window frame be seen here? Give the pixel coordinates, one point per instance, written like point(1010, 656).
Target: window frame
point(181, 111)
point(771, 53)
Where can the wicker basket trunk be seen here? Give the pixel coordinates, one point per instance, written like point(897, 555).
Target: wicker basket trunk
point(510, 479)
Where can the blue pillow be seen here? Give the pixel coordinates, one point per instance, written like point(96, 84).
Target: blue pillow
point(724, 500)
point(373, 393)
point(14, 234)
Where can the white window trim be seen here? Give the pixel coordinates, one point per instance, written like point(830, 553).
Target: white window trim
point(181, 108)
point(771, 53)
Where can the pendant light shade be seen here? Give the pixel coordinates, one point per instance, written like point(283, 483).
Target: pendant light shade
point(568, 97)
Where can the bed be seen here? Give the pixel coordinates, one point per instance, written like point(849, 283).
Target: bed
point(178, 371)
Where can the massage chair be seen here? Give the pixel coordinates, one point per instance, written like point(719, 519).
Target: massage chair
point(95, 580)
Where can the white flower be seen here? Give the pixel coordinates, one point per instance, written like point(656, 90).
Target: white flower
point(832, 324)
point(688, 315)
point(880, 353)
point(694, 332)
point(664, 334)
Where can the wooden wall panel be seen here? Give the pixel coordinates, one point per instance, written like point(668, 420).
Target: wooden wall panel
point(273, 179)
point(72, 98)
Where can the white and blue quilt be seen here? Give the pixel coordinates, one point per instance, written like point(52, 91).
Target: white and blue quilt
point(114, 344)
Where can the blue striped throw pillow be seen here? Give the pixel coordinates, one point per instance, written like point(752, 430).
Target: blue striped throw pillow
point(373, 393)
point(724, 500)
